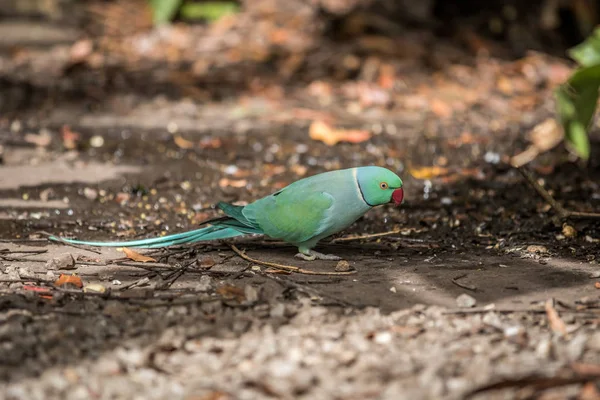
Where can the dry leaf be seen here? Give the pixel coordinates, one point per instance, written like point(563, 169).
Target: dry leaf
point(183, 143)
point(299, 170)
point(428, 172)
point(69, 280)
point(544, 136)
point(206, 262)
point(323, 132)
point(135, 256)
point(597, 285)
point(43, 292)
point(440, 108)
point(210, 143)
point(69, 137)
point(39, 289)
point(556, 324)
point(230, 292)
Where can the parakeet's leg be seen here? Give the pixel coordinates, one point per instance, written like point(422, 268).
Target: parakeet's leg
point(311, 255)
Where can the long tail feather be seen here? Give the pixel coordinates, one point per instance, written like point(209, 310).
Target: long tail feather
point(197, 235)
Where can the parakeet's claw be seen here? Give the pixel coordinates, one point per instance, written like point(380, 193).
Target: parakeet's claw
point(315, 255)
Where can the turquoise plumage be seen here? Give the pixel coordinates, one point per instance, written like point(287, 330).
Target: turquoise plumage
point(302, 213)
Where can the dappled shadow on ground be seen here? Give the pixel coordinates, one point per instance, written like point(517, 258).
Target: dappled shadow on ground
point(73, 327)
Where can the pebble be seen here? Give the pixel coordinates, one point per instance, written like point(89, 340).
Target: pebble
point(64, 261)
point(90, 194)
point(534, 248)
point(12, 272)
point(25, 273)
point(205, 284)
point(569, 231)
point(342, 266)
point(97, 141)
point(251, 294)
point(465, 301)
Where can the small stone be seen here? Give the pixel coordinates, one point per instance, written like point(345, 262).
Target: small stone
point(544, 348)
point(393, 289)
point(51, 276)
point(516, 334)
point(569, 231)
point(205, 284)
point(26, 273)
point(537, 249)
point(595, 275)
point(45, 194)
point(90, 194)
point(12, 272)
point(251, 294)
point(342, 266)
point(384, 337)
point(97, 141)
point(465, 301)
point(64, 261)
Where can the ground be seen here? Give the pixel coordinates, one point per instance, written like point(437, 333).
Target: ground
point(473, 289)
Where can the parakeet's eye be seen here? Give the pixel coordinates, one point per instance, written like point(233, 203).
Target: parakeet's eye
point(383, 185)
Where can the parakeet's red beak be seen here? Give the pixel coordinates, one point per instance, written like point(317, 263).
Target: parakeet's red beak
point(398, 196)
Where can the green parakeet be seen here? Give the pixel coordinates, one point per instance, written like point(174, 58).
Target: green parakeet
point(302, 213)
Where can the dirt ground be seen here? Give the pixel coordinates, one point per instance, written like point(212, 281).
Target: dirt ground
point(473, 289)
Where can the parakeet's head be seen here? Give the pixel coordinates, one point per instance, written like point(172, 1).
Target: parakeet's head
point(379, 186)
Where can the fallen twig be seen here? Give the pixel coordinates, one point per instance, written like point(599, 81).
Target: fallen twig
point(21, 259)
point(362, 237)
point(173, 276)
point(23, 240)
point(563, 213)
point(538, 383)
point(286, 267)
point(7, 251)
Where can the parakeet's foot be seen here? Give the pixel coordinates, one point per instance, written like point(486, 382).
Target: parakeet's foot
point(315, 255)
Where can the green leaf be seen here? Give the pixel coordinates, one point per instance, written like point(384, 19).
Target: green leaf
point(578, 139)
point(587, 53)
point(163, 11)
point(208, 10)
point(576, 105)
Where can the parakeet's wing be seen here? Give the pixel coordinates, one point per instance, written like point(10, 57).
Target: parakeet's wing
point(292, 215)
